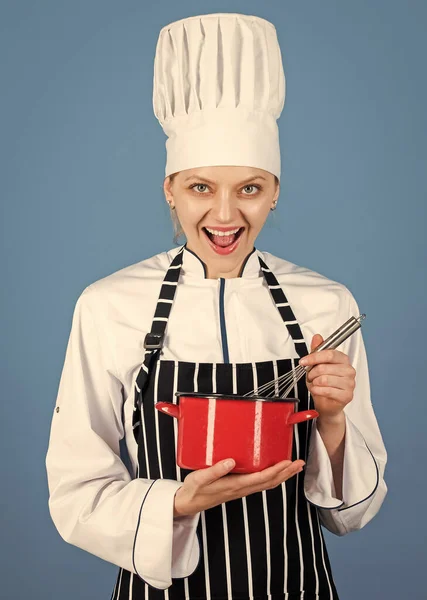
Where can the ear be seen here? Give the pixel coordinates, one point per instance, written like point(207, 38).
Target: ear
point(167, 189)
point(277, 192)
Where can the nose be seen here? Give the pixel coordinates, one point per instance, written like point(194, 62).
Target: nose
point(225, 206)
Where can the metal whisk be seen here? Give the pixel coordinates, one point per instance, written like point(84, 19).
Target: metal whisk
point(280, 387)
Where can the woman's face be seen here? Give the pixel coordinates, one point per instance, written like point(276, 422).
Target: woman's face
point(213, 201)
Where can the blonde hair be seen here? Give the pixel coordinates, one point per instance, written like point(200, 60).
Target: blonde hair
point(177, 228)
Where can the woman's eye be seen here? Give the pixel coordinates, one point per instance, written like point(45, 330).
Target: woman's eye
point(200, 187)
point(250, 189)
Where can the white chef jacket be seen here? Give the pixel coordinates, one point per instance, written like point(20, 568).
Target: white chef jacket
point(95, 503)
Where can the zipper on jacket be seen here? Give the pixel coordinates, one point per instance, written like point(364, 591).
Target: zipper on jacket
point(222, 320)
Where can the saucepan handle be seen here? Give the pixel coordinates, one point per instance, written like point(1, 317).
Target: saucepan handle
point(168, 408)
point(300, 417)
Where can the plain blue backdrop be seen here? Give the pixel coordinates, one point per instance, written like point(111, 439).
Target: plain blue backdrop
point(82, 165)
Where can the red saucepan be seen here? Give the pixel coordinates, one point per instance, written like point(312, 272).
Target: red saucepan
point(257, 432)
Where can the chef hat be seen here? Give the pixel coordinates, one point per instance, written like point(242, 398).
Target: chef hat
point(219, 88)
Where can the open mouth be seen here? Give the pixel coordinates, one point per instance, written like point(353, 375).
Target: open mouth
point(224, 242)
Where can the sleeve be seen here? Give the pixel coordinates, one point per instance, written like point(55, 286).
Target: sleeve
point(93, 502)
point(365, 457)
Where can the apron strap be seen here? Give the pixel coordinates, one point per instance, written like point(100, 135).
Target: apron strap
point(153, 342)
point(154, 339)
point(284, 309)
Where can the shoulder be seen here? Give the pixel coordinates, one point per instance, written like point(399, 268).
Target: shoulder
point(132, 282)
point(312, 291)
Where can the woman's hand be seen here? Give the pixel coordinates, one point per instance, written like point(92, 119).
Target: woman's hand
point(209, 487)
point(331, 380)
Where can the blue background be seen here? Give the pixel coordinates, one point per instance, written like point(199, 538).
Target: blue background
point(82, 164)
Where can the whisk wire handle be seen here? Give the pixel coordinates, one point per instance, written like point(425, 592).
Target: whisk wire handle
point(341, 334)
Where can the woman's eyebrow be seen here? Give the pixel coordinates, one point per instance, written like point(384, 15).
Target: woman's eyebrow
point(209, 181)
point(198, 179)
point(252, 179)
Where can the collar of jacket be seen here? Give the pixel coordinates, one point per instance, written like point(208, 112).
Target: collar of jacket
point(193, 266)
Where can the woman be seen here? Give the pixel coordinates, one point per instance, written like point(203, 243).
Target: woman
point(215, 315)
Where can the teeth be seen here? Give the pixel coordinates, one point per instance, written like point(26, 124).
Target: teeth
point(222, 233)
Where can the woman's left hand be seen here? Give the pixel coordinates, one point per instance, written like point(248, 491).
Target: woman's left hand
point(331, 380)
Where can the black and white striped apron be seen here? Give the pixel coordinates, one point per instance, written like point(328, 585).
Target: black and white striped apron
point(268, 545)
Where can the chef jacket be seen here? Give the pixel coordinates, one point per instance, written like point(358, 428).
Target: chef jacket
point(94, 502)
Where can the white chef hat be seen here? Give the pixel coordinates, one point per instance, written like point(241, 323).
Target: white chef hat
point(219, 88)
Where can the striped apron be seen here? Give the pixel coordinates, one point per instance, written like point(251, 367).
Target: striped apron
point(268, 545)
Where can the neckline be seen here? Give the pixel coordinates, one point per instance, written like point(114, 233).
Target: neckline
point(193, 266)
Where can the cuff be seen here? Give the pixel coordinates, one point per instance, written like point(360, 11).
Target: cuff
point(155, 533)
point(360, 471)
point(185, 549)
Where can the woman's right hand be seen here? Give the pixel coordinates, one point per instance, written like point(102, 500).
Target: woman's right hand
point(205, 488)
